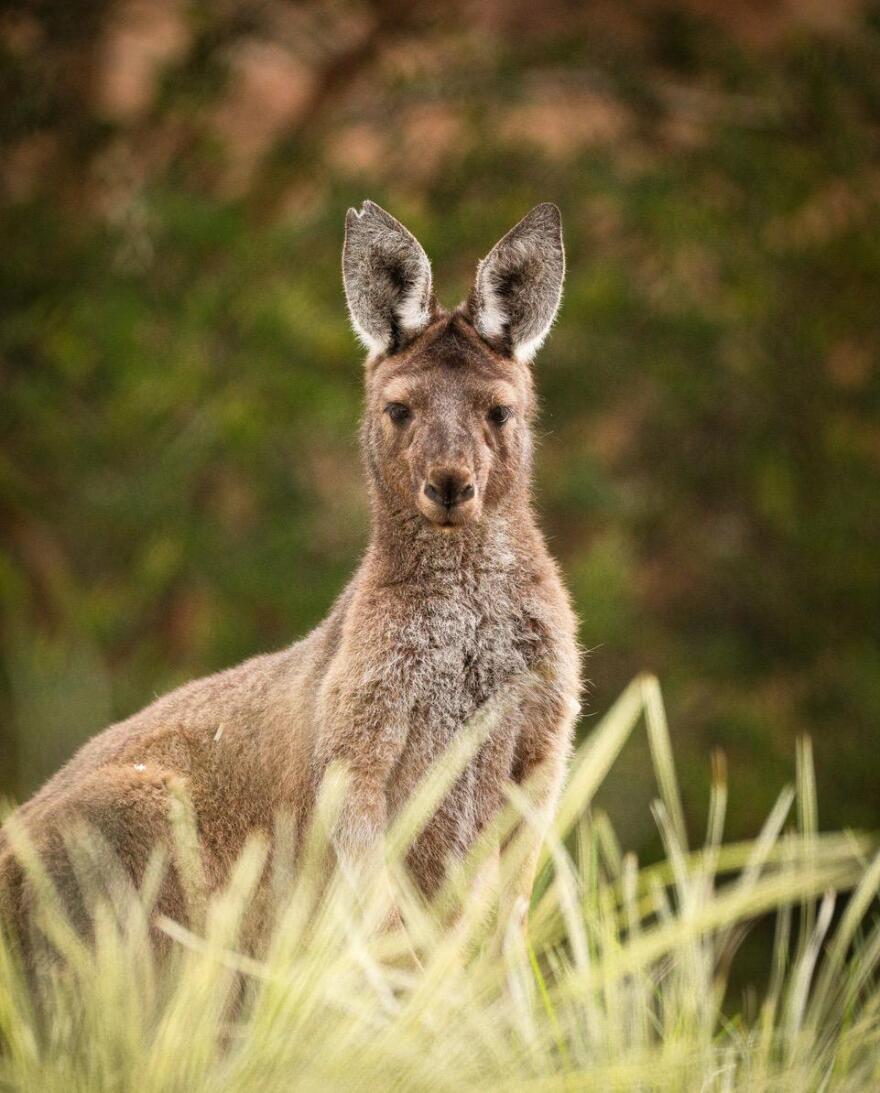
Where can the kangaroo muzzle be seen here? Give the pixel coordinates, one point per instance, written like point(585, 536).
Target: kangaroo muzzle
point(448, 496)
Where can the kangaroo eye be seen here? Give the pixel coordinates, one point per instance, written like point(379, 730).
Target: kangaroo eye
point(398, 412)
point(499, 414)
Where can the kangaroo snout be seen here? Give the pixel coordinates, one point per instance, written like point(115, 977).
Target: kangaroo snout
point(449, 490)
point(446, 494)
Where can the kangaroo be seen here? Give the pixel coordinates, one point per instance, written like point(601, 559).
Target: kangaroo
point(456, 597)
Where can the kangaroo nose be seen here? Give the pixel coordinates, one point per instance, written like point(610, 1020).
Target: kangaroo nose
point(449, 490)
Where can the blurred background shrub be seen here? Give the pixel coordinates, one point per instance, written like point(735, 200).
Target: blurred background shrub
point(179, 479)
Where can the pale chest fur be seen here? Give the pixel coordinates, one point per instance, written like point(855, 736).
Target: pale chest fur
point(463, 643)
point(464, 640)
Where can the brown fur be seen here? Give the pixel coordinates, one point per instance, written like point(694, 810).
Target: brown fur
point(449, 605)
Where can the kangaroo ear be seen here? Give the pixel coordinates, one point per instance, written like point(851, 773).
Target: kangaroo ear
point(387, 279)
point(518, 286)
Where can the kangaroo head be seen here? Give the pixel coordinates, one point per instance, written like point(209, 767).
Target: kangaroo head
point(449, 396)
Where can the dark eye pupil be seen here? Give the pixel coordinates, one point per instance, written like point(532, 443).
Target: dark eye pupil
point(397, 412)
point(499, 414)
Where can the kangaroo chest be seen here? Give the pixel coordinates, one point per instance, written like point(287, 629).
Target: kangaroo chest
point(464, 646)
point(461, 646)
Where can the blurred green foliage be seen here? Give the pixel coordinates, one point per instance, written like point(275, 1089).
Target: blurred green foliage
point(179, 483)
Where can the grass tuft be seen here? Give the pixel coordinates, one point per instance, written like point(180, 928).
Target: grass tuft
point(620, 984)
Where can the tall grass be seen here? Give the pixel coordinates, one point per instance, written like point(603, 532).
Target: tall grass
point(619, 983)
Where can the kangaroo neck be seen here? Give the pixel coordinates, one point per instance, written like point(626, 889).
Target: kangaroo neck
point(404, 547)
